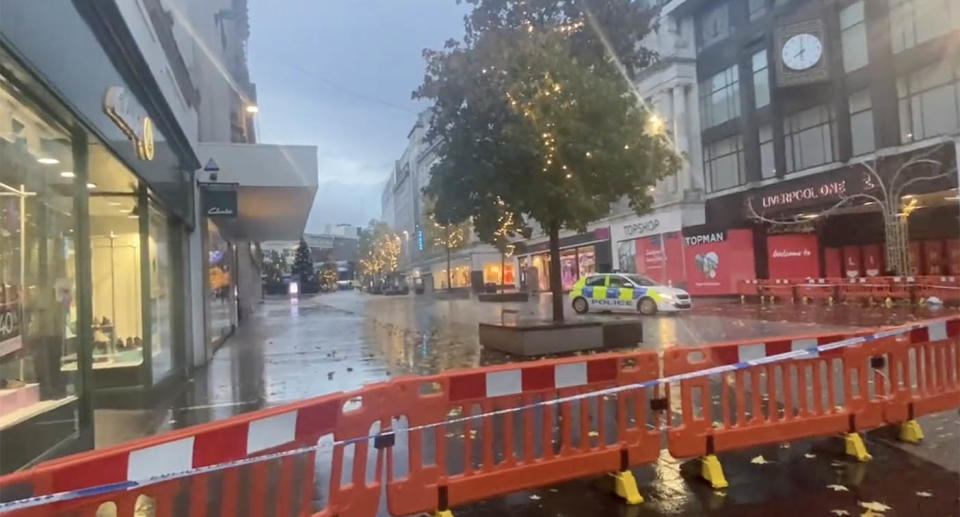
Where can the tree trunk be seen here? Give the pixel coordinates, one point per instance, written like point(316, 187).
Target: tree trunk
point(449, 274)
point(503, 260)
point(556, 286)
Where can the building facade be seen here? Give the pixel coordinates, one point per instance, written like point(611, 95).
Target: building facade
point(473, 265)
point(103, 231)
point(813, 116)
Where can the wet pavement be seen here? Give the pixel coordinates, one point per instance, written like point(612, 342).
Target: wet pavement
point(293, 350)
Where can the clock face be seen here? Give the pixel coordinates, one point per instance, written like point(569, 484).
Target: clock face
point(802, 51)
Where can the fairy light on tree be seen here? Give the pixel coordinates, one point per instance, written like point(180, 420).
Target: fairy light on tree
point(447, 237)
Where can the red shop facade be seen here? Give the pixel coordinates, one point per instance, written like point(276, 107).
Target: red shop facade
point(827, 240)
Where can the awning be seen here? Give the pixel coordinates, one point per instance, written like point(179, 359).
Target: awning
point(275, 187)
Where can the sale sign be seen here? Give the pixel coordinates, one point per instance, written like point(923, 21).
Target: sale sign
point(851, 261)
point(716, 261)
point(872, 255)
point(794, 255)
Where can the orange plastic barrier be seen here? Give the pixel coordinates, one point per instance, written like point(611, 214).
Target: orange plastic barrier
point(467, 435)
point(768, 403)
point(818, 288)
point(923, 372)
point(473, 460)
point(748, 287)
point(262, 433)
point(947, 288)
point(777, 288)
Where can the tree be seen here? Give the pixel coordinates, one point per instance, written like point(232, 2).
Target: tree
point(379, 251)
point(274, 266)
point(329, 276)
point(303, 263)
point(447, 237)
point(535, 110)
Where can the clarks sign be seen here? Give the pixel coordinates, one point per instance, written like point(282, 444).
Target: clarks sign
point(821, 189)
point(220, 199)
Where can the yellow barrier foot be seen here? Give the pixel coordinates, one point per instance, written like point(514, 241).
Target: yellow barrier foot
point(443, 513)
point(853, 445)
point(712, 471)
point(626, 487)
point(911, 432)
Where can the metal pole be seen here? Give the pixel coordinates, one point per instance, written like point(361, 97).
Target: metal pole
point(23, 279)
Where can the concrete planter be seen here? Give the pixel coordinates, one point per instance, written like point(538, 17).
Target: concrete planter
point(458, 293)
point(542, 339)
point(503, 297)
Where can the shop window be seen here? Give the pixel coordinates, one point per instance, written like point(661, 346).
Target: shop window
point(459, 277)
point(568, 268)
point(161, 312)
point(723, 163)
point(714, 25)
point(491, 273)
point(720, 97)
point(913, 22)
point(768, 165)
point(929, 102)
point(221, 298)
point(627, 254)
point(38, 280)
point(861, 123)
point(587, 258)
point(853, 37)
point(761, 79)
point(542, 264)
point(809, 138)
point(757, 8)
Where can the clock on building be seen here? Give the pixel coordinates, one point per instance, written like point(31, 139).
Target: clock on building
point(802, 51)
point(801, 56)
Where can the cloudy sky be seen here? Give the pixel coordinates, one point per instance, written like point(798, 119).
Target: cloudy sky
point(338, 74)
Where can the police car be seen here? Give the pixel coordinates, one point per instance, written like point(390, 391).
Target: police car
point(622, 291)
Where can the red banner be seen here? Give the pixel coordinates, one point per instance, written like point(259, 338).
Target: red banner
point(953, 257)
point(833, 262)
point(872, 255)
point(851, 261)
point(660, 257)
point(933, 258)
point(793, 255)
point(716, 261)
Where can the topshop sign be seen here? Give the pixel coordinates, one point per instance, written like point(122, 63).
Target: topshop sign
point(653, 224)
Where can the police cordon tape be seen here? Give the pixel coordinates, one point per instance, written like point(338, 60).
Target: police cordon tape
point(808, 352)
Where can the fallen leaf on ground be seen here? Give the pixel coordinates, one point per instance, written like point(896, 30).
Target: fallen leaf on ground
point(874, 506)
point(759, 460)
point(839, 512)
point(553, 490)
point(809, 456)
point(593, 434)
point(924, 493)
point(534, 497)
point(838, 488)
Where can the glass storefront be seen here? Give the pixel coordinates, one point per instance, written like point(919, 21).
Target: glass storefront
point(221, 296)
point(38, 269)
point(491, 273)
point(161, 272)
point(574, 264)
point(459, 276)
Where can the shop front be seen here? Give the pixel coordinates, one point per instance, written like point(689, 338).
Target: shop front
point(837, 222)
point(580, 255)
point(95, 205)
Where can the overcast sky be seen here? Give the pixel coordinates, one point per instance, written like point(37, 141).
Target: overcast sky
point(338, 74)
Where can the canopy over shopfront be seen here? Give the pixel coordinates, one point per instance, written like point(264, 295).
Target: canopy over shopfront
point(274, 187)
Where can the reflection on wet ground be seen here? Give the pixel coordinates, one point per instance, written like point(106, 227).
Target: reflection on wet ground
point(293, 350)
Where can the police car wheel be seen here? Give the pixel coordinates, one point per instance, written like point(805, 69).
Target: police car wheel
point(580, 305)
point(647, 307)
